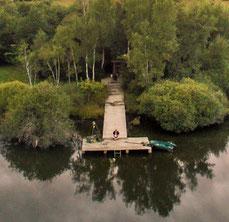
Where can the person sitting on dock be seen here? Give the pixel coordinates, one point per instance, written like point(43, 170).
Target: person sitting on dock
point(115, 134)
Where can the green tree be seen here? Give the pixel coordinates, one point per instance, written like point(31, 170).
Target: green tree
point(184, 106)
point(8, 91)
point(28, 59)
point(8, 18)
point(48, 53)
point(200, 25)
point(39, 118)
point(152, 39)
point(71, 48)
point(215, 63)
point(102, 20)
point(35, 16)
point(92, 22)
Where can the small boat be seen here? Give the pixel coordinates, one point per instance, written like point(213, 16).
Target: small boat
point(160, 145)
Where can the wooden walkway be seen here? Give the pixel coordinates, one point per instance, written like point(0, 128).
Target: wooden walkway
point(115, 114)
point(115, 118)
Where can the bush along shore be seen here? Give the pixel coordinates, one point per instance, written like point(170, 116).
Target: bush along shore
point(184, 106)
point(39, 116)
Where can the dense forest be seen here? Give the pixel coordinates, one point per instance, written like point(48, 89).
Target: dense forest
point(176, 53)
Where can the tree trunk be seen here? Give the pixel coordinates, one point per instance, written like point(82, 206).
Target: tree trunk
point(56, 72)
point(53, 74)
point(147, 68)
point(84, 8)
point(69, 74)
point(128, 47)
point(58, 79)
point(86, 60)
point(103, 58)
point(93, 67)
point(35, 78)
point(147, 71)
point(27, 66)
point(74, 65)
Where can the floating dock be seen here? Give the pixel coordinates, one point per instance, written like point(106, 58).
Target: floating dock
point(115, 118)
point(127, 145)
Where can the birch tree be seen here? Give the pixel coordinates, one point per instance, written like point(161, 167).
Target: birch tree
point(43, 48)
point(153, 40)
point(24, 56)
point(65, 35)
point(102, 19)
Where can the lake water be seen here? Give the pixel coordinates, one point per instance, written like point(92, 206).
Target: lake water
point(190, 184)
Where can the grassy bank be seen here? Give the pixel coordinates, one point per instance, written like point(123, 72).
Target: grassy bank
point(64, 2)
point(11, 73)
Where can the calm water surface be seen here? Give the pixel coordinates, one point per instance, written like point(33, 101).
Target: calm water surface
point(190, 184)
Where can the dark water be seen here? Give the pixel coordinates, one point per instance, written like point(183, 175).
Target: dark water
point(190, 184)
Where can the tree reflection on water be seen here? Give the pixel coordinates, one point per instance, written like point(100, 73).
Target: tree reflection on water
point(147, 183)
point(154, 182)
point(94, 175)
point(39, 165)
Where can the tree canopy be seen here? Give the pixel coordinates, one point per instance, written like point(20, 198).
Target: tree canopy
point(166, 39)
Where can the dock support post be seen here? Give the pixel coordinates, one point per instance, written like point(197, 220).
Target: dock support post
point(127, 152)
point(105, 152)
point(150, 150)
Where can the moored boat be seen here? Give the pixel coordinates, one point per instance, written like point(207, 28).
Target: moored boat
point(160, 145)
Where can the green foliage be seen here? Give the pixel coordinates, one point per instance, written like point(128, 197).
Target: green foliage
point(216, 56)
point(8, 91)
point(184, 106)
point(35, 16)
point(153, 39)
point(169, 39)
point(11, 73)
point(202, 36)
point(215, 62)
point(38, 118)
point(88, 111)
point(22, 21)
point(221, 80)
point(132, 90)
point(166, 38)
point(8, 16)
point(88, 98)
point(131, 103)
point(92, 91)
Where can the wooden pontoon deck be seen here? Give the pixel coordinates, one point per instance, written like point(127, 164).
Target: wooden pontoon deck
point(115, 118)
point(128, 144)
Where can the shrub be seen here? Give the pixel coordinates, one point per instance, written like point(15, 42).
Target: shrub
point(221, 80)
point(184, 106)
point(8, 91)
point(92, 92)
point(87, 97)
point(39, 118)
point(131, 103)
point(88, 111)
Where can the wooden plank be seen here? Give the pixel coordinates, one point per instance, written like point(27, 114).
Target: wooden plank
point(131, 143)
point(115, 113)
